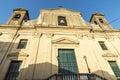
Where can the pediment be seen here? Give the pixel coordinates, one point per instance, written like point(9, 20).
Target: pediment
point(109, 55)
point(65, 40)
point(18, 54)
point(61, 10)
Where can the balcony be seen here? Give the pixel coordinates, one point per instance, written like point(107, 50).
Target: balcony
point(81, 76)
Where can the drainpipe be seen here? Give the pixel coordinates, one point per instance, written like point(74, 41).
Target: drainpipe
point(36, 56)
point(85, 58)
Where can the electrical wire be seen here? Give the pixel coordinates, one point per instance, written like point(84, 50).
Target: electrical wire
point(114, 20)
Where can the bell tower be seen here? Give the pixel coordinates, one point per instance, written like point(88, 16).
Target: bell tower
point(19, 15)
point(99, 19)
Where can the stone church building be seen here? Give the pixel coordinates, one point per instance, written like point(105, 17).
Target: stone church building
point(58, 45)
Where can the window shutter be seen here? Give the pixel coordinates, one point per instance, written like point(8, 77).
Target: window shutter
point(115, 68)
point(67, 61)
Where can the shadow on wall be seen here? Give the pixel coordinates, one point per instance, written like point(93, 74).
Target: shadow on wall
point(8, 53)
point(105, 74)
point(38, 71)
point(42, 71)
point(33, 71)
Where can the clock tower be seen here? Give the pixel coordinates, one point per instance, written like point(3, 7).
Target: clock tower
point(19, 15)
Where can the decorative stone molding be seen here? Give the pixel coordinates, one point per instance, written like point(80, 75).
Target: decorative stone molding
point(107, 37)
point(18, 55)
point(79, 35)
point(9, 35)
point(110, 56)
point(83, 35)
point(98, 36)
point(111, 37)
point(49, 35)
point(36, 34)
point(65, 40)
point(91, 36)
point(115, 37)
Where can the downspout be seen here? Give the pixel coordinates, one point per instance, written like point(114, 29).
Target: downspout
point(85, 58)
point(51, 58)
point(34, 67)
point(97, 58)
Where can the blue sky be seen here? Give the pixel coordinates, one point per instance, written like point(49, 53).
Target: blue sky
point(110, 8)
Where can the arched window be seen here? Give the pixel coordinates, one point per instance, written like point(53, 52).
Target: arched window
point(17, 16)
point(95, 22)
point(62, 21)
point(101, 20)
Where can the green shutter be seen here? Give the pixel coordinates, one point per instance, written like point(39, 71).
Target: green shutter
point(67, 61)
point(115, 68)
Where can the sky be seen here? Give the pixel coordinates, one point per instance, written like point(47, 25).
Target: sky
point(110, 8)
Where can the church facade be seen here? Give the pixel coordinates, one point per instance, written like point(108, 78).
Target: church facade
point(58, 45)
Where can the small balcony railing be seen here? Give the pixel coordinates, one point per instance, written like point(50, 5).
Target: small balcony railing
point(81, 76)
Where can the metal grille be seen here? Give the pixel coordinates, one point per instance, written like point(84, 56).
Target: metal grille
point(82, 76)
point(13, 70)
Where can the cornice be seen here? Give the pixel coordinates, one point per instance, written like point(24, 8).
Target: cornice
point(17, 54)
point(49, 35)
point(103, 31)
point(36, 34)
point(6, 25)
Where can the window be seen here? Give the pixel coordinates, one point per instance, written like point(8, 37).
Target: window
point(102, 44)
point(115, 68)
point(17, 16)
point(101, 20)
point(62, 21)
point(13, 70)
point(95, 22)
point(67, 61)
point(22, 44)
